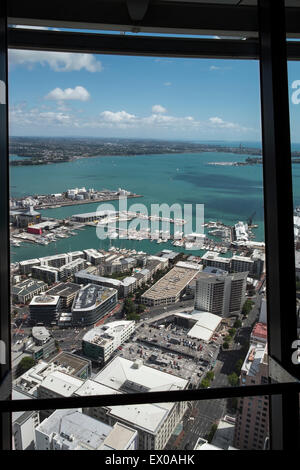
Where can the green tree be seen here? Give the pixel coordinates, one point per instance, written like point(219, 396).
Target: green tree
point(133, 316)
point(237, 324)
point(232, 331)
point(205, 383)
point(228, 339)
point(225, 345)
point(210, 375)
point(238, 366)
point(247, 307)
point(233, 379)
point(129, 306)
point(140, 308)
point(25, 364)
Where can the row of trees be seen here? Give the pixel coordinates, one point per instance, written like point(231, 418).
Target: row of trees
point(208, 379)
point(131, 310)
point(247, 307)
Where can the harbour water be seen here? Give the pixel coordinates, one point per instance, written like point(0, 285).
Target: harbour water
point(229, 193)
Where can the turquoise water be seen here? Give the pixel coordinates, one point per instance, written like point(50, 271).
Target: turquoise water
point(228, 193)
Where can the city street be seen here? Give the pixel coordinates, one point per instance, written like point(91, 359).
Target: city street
point(208, 412)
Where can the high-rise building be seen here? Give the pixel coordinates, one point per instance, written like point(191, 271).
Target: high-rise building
point(220, 294)
point(252, 424)
point(44, 309)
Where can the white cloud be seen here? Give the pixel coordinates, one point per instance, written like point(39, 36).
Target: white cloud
point(21, 116)
point(168, 83)
point(221, 124)
point(77, 93)
point(57, 61)
point(213, 67)
point(117, 117)
point(62, 117)
point(158, 109)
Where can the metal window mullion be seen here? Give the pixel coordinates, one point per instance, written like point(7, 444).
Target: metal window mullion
point(278, 201)
point(5, 418)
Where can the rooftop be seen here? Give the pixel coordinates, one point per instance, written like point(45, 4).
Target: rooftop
point(64, 289)
point(29, 261)
point(205, 324)
point(93, 277)
point(45, 300)
point(73, 363)
point(171, 284)
point(27, 286)
point(211, 255)
point(111, 329)
point(40, 333)
point(119, 437)
point(256, 355)
point(90, 296)
point(215, 271)
point(61, 383)
point(246, 259)
point(260, 331)
point(74, 429)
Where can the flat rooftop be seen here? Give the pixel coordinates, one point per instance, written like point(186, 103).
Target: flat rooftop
point(84, 274)
point(211, 277)
point(27, 286)
point(91, 296)
point(44, 300)
point(106, 332)
point(40, 333)
point(119, 437)
point(71, 361)
point(256, 355)
point(86, 432)
point(46, 268)
point(90, 387)
point(260, 330)
point(246, 259)
point(215, 271)
point(171, 284)
point(64, 289)
point(205, 324)
point(61, 383)
point(212, 255)
point(125, 375)
point(29, 261)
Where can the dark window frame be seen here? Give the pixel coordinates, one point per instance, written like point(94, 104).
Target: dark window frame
point(267, 23)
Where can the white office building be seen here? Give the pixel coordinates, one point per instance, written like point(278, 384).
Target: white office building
point(101, 342)
point(154, 422)
point(73, 430)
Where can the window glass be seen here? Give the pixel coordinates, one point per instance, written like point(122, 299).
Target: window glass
point(110, 294)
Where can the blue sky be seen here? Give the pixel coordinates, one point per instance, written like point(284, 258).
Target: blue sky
point(57, 94)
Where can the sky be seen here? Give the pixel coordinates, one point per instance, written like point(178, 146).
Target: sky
point(65, 94)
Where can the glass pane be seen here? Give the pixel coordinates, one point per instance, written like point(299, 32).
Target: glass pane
point(110, 293)
point(170, 426)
